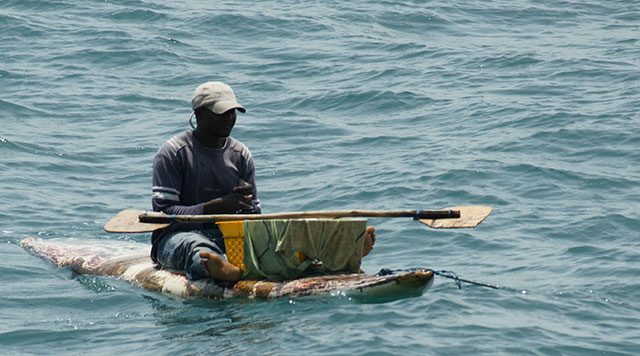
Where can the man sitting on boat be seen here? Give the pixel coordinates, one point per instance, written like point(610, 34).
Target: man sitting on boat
point(205, 171)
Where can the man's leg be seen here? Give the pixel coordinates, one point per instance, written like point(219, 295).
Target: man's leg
point(218, 268)
point(182, 251)
point(369, 240)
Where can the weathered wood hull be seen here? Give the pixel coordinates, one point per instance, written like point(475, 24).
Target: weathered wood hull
point(130, 261)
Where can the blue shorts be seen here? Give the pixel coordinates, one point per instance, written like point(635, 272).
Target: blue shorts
point(181, 251)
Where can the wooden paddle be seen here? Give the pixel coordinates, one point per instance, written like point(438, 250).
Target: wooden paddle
point(132, 221)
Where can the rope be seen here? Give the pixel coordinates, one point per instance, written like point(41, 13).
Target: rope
point(450, 275)
point(446, 274)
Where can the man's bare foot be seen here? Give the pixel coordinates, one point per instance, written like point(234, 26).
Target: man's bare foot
point(369, 240)
point(219, 269)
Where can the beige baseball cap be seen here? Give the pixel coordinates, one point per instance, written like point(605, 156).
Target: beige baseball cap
point(216, 96)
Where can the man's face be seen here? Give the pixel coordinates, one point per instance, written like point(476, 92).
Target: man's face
point(218, 125)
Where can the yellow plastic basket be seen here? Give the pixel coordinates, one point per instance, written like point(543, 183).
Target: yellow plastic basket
point(233, 234)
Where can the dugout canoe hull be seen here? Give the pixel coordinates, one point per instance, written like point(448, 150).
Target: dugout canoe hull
point(130, 262)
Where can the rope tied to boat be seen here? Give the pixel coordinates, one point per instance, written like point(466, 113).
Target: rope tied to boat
point(451, 275)
point(442, 273)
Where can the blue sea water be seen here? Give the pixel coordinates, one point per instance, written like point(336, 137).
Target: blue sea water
point(531, 107)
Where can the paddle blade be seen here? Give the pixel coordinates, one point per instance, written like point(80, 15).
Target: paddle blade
point(470, 216)
point(127, 222)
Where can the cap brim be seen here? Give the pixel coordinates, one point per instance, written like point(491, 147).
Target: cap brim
point(223, 106)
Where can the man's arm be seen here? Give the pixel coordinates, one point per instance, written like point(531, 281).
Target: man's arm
point(167, 181)
point(239, 199)
point(167, 185)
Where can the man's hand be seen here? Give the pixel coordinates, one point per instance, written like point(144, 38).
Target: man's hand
point(244, 189)
point(243, 194)
point(239, 199)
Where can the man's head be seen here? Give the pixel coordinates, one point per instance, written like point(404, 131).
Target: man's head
point(211, 124)
point(214, 106)
point(215, 96)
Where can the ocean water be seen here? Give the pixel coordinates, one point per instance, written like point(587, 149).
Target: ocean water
point(531, 107)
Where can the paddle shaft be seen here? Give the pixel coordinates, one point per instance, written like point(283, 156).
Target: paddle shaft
point(133, 221)
point(156, 217)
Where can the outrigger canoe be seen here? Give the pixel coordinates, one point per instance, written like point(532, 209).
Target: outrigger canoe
point(130, 262)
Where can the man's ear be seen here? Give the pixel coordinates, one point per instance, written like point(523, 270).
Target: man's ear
point(198, 112)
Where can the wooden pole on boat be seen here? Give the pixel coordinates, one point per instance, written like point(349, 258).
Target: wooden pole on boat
point(134, 221)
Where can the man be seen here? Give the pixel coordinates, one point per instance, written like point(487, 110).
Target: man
point(204, 171)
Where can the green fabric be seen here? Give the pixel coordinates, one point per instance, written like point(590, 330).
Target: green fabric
point(270, 246)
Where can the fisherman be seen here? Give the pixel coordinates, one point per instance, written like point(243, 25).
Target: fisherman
point(205, 171)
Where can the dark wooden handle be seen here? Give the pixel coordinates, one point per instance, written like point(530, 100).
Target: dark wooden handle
point(156, 217)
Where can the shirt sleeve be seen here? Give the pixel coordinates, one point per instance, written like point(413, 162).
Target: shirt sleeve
point(249, 176)
point(167, 185)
